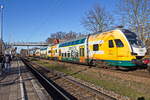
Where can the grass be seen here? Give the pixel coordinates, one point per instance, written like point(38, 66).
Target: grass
point(55, 67)
point(113, 86)
point(107, 82)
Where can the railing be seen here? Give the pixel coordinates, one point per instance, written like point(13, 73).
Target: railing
point(27, 44)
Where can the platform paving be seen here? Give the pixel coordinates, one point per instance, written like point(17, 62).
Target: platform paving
point(20, 84)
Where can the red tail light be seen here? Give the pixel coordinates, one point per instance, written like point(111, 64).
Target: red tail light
point(146, 61)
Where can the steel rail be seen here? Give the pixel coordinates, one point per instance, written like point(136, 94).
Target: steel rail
point(62, 75)
point(56, 92)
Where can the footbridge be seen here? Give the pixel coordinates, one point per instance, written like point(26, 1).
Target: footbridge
point(27, 44)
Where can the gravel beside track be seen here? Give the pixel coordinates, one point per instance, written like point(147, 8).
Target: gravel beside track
point(140, 76)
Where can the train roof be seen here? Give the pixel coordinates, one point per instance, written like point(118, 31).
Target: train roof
point(125, 31)
point(129, 33)
point(81, 40)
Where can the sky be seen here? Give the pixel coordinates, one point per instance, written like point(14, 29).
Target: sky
point(35, 20)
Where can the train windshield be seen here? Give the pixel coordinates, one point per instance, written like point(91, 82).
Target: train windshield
point(132, 38)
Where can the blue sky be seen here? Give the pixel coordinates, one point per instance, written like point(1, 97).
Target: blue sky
point(34, 20)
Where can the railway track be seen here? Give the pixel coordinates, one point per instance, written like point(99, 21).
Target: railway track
point(61, 86)
point(52, 88)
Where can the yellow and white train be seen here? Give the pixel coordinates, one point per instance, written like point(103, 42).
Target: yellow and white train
point(119, 47)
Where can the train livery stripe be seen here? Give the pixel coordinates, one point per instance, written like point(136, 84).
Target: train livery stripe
point(72, 43)
point(118, 62)
point(71, 59)
point(110, 62)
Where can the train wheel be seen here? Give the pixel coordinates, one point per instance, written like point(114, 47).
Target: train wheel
point(94, 63)
point(102, 64)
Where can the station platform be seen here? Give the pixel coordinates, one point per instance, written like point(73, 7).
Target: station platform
point(18, 83)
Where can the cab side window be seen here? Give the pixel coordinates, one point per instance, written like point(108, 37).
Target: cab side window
point(119, 43)
point(49, 51)
point(110, 43)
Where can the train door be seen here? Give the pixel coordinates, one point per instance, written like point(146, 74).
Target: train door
point(121, 50)
point(59, 57)
point(53, 52)
point(49, 53)
point(112, 50)
point(82, 54)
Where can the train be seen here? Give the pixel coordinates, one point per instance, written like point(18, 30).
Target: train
point(117, 47)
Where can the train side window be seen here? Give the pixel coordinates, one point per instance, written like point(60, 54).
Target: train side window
point(55, 51)
point(49, 51)
point(111, 44)
point(65, 55)
point(71, 54)
point(77, 54)
point(68, 54)
point(95, 47)
point(82, 52)
point(59, 52)
point(119, 43)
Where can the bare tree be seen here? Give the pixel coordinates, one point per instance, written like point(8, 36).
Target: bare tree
point(63, 36)
point(70, 35)
point(97, 19)
point(58, 35)
point(136, 16)
point(50, 40)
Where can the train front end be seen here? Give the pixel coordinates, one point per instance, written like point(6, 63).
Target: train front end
point(137, 47)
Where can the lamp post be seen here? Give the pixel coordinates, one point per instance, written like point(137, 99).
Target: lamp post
point(1, 31)
point(1, 9)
